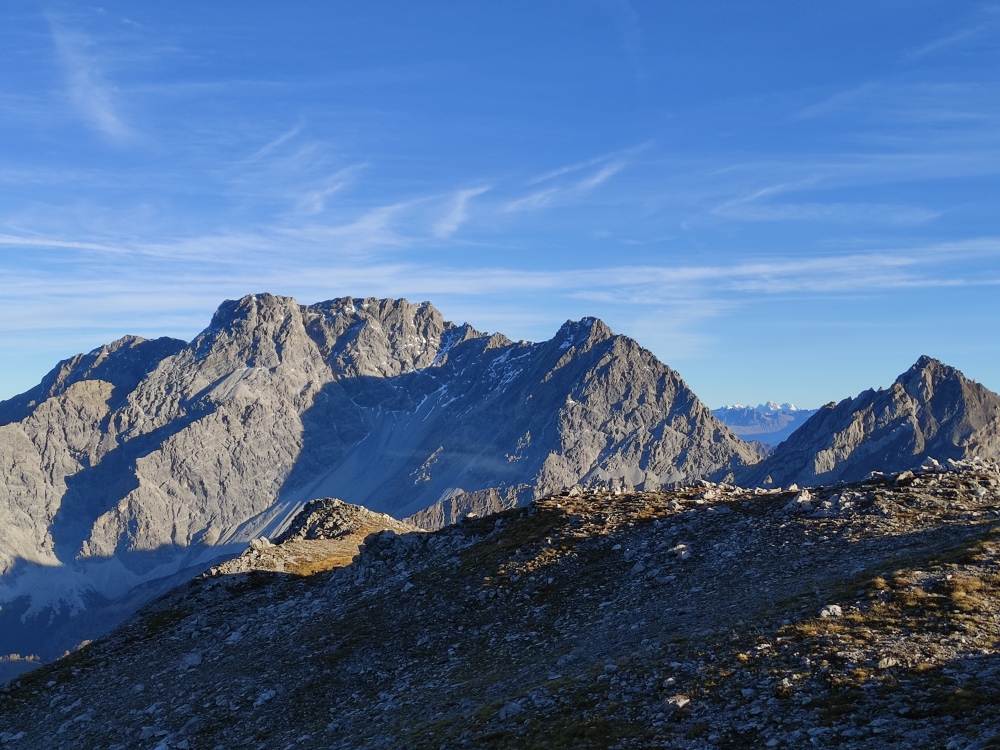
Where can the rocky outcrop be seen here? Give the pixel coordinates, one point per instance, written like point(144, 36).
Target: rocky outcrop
point(454, 508)
point(932, 411)
point(142, 462)
point(326, 534)
point(330, 518)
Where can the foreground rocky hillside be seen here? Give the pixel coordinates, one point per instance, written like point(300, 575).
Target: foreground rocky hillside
point(932, 410)
point(858, 615)
point(129, 469)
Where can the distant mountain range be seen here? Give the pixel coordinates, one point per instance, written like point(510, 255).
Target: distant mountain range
point(769, 424)
point(129, 469)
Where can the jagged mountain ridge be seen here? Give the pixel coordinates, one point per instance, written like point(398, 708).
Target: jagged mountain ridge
point(930, 411)
point(145, 460)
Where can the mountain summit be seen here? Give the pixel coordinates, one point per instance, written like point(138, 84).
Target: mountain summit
point(130, 467)
point(931, 411)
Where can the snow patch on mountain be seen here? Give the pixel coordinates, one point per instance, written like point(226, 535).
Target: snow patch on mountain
point(769, 423)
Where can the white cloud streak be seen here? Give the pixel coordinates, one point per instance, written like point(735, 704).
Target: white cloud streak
point(270, 146)
point(544, 198)
point(314, 200)
point(955, 38)
point(91, 95)
point(621, 156)
point(457, 213)
point(840, 213)
point(910, 106)
point(101, 296)
point(102, 291)
point(601, 176)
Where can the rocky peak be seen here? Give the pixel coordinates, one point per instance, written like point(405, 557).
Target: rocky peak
point(331, 518)
point(930, 411)
point(122, 363)
point(583, 334)
point(326, 533)
point(258, 330)
point(380, 337)
point(929, 377)
point(498, 341)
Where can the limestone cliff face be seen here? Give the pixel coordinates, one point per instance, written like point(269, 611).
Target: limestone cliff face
point(931, 411)
point(144, 459)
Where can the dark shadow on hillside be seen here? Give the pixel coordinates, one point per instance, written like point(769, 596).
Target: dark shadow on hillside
point(757, 587)
point(95, 490)
point(54, 629)
point(477, 407)
point(477, 433)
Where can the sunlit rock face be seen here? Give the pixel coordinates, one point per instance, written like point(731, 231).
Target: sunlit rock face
point(129, 468)
point(931, 411)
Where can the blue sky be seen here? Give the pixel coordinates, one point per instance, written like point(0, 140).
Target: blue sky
point(781, 200)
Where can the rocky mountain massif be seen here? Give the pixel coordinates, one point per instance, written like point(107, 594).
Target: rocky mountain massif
point(861, 615)
point(932, 411)
point(131, 468)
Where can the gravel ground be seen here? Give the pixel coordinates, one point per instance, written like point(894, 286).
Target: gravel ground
point(861, 615)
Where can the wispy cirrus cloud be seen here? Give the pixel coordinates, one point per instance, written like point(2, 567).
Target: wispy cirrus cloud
point(560, 171)
point(838, 213)
point(547, 197)
point(983, 21)
point(271, 145)
point(621, 155)
point(602, 175)
point(91, 95)
point(457, 213)
point(950, 40)
point(171, 278)
point(910, 105)
point(89, 293)
point(314, 199)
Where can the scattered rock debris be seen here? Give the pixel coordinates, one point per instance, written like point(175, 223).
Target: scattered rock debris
point(326, 534)
point(538, 628)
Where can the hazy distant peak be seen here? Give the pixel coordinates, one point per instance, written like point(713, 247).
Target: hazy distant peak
point(769, 423)
point(772, 406)
point(769, 407)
